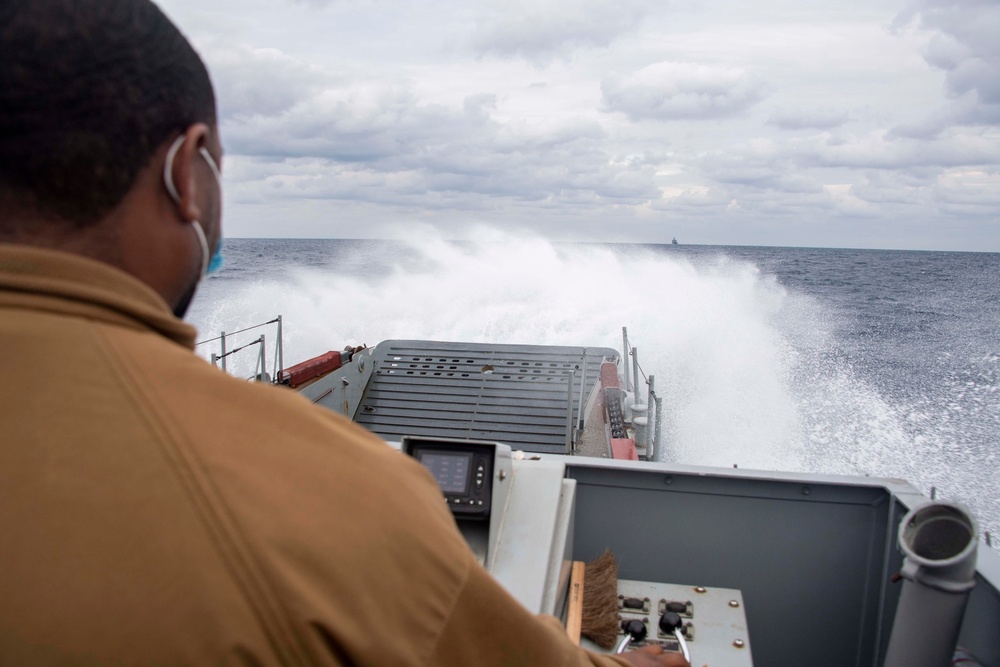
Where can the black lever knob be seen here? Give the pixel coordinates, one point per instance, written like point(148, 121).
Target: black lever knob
point(635, 628)
point(670, 622)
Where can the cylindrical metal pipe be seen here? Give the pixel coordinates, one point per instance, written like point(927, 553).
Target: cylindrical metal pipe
point(635, 372)
point(654, 451)
point(262, 375)
point(640, 425)
point(939, 543)
point(627, 386)
point(223, 355)
point(281, 351)
point(569, 412)
point(650, 404)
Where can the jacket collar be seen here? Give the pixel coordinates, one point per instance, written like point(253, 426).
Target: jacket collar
point(72, 285)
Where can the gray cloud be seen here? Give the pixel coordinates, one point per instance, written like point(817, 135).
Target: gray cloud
point(808, 119)
point(543, 31)
point(387, 146)
point(966, 47)
point(253, 82)
point(678, 90)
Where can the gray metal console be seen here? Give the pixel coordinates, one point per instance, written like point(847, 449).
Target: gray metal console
point(516, 512)
point(516, 515)
point(713, 621)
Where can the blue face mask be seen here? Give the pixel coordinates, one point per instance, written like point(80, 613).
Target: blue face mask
point(208, 264)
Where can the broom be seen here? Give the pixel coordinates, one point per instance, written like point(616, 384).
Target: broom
point(592, 610)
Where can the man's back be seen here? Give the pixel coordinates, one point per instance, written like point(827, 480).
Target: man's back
point(159, 511)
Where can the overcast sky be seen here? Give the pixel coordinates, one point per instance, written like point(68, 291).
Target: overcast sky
point(855, 123)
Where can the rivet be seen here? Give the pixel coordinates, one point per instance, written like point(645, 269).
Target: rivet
point(700, 589)
point(738, 643)
point(806, 490)
point(502, 475)
point(734, 603)
point(668, 480)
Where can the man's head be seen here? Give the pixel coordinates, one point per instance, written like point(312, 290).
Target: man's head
point(92, 95)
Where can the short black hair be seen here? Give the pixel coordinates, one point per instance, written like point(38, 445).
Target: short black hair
point(88, 90)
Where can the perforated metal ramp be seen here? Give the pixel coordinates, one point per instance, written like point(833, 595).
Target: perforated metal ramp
point(515, 394)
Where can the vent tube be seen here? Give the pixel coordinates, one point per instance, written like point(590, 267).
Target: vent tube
point(939, 542)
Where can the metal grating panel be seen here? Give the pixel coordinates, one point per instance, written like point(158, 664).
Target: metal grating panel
point(515, 394)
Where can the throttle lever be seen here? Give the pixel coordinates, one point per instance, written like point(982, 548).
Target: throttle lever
point(634, 630)
point(671, 623)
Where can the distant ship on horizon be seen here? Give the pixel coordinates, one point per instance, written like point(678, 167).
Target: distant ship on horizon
point(673, 241)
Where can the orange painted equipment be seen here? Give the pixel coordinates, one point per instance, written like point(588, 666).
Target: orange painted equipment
point(623, 449)
point(299, 374)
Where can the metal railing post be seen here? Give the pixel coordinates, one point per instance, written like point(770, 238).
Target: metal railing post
point(628, 383)
point(569, 412)
point(280, 362)
point(263, 359)
point(635, 372)
point(649, 412)
point(657, 432)
point(224, 355)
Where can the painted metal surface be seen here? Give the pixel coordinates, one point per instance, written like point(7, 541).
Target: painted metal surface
point(516, 394)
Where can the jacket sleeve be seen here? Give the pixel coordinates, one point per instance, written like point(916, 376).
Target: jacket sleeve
point(489, 628)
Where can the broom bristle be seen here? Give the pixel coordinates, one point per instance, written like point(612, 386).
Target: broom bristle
point(600, 601)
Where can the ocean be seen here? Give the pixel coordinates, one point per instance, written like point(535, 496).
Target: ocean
point(864, 362)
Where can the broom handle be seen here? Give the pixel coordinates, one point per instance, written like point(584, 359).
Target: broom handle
point(574, 610)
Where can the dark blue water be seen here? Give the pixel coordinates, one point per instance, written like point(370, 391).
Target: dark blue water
point(845, 361)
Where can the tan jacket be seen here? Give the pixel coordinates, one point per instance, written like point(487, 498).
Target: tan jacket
point(156, 511)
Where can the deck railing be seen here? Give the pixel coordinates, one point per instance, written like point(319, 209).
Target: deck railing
point(260, 365)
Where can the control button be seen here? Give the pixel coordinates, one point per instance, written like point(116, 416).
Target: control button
point(472, 502)
point(677, 607)
point(479, 502)
point(458, 501)
point(635, 628)
point(669, 622)
point(632, 603)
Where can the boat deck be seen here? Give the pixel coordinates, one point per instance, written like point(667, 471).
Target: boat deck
point(524, 395)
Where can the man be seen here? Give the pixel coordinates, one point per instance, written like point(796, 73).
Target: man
point(155, 510)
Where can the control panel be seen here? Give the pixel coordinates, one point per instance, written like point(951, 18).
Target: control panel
point(521, 533)
point(463, 470)
point(711, 622)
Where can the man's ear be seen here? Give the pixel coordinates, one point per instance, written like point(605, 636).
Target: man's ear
point(182, 171)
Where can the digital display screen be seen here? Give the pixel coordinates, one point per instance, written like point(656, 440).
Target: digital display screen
point(450, 469)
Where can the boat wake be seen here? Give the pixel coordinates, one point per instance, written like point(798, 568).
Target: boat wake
point(751, 373)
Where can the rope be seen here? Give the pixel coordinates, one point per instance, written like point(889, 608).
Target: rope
point(233, 333)
point(641, 370)
point(237, 349)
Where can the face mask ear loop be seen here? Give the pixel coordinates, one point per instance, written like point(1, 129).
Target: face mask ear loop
point(211, 165)
point(200, 233)
point(168, 181)
point(168, 169)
